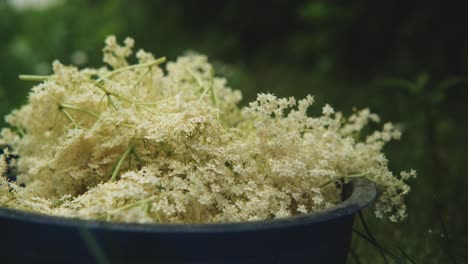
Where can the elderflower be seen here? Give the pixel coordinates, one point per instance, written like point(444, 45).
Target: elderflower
point(139, 143)
point(3, 164)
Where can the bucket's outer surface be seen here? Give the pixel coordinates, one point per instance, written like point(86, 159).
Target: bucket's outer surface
point(314, 238)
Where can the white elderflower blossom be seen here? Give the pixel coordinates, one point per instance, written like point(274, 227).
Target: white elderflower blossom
point(4, 186)
point(327, 110)
point(135, 143)
point(3, 165)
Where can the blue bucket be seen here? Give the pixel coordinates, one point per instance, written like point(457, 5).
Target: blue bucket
point(311, 238)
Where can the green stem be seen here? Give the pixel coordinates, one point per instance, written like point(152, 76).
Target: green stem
point(109, 93)
point(148, 207)
point(35, 78)
point(93, 245)
point(68, 116)
point(369, 234)
point(126, 125)
point(20, 131)
point(128, 206)
point(71, 107)
point(210, 88)
point(378, 246)
point(145, 108)
point(135, 66)
point(197, 79)
point(140, 78)
point(40, 78)
point(214, 96)
point(100, 86)
point(203, 94)
point(147, 202)
point(158, 102)
point(110, 102)
point(138, 156)
point(120, 162)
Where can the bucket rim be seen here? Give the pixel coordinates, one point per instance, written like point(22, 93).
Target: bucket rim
point(363, 193)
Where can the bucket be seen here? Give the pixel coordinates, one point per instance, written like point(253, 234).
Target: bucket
point(322, 237)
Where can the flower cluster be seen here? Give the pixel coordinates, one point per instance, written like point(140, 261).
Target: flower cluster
point(4, 186)
point(134, 143)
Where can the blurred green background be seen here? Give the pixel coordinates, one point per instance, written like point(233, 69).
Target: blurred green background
point(406, 60)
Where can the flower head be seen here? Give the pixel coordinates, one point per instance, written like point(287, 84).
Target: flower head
point(138, 144)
